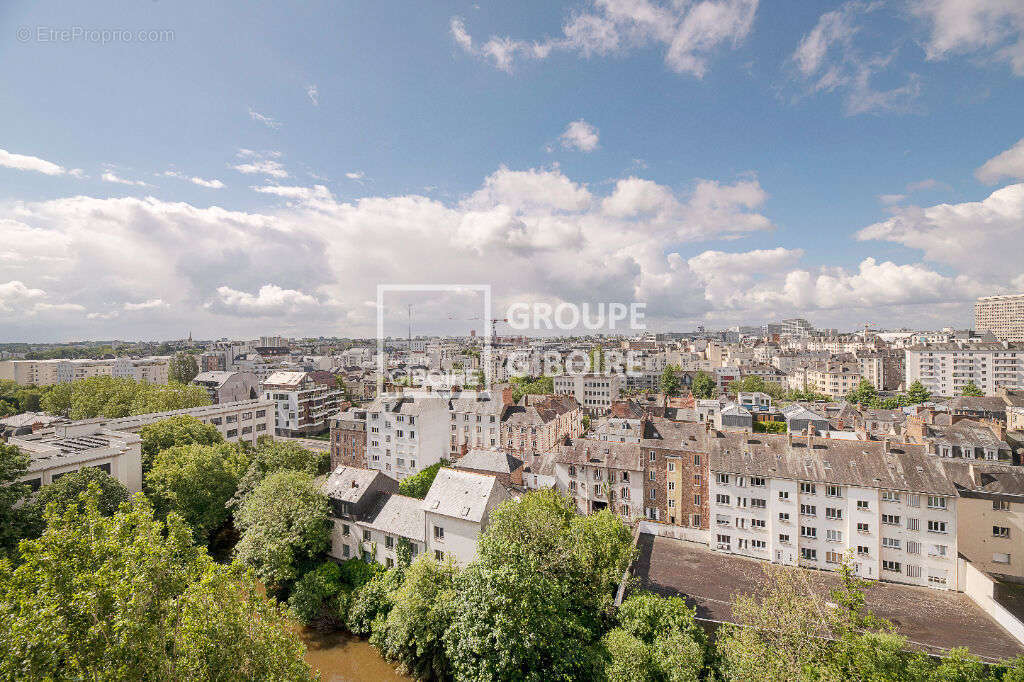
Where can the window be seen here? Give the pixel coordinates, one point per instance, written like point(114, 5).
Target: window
point(833, 535)
point(105, 468)
point(34, 483)
point(891, 566)
point(863, 528)
point(833, 491)
point(890, 496)
point(758, 544)
point(938, 550)
point(696, 479)
point(345, 530)
point(890, 520)
point(784, 538)
point(808, 554)
point(651, 476)
point(808, 532)
point(808, 489)
point(913, 547)
point(695, 520)
point(833, 513)
point(653, 495)
point(696, 460)
point(936, 502)
point(572, 469)
point(572, 486)
point(808, 510)
point(345, 550)
point(891, 543)
point(863, 551)
point(914, 500)
point(696, 500)
point(438, 533)
point(833, 558)
point(723, 479)
point(261, 413)
point(913, 524)
point(671, 485)
point(757, 482)
point(722, 499)
point(1000, 532)
point(784, 517)
point(366, 536)
point(913, 571)
point(862, 505)
point(757, 523)
point(672, 503)
point(936, 526)
point(671, 466)
point(389, 562)
point(999, 558)
point(232, 433)
point(783, 494)
point(937, 577)
point(758, 503)
point(438, 555)
point(1000, 505)
point(389, 542)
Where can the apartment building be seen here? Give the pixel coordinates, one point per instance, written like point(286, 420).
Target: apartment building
point(475, 420)
point(675, 460)
point(832, 378)
point(47, 372)
point(601, 475)
point(594, 392)
point(348, 438)
point(946, 368)
point(406, 433)
point(953, 437)
point(244, 420)
point(303, 406)
point(990, 512)
point(1001, 315)
point(71, 447)
point(538, 422)
point(456, 511)
point(808, 501)
point(227, 387)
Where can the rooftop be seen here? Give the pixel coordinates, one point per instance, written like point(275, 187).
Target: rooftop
point(460, 494)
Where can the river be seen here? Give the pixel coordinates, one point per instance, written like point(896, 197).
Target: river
point(343, 657)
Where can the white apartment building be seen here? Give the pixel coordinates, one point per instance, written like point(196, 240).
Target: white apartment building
point(303, 406)
point(601, 475)
point(244, 420)
point(946, 368)
point(594, 392)
point(71, 447)
point(406, 433)
point(1001, 315)
point(809, 501)
point(371, 519)
point(475, 418)
point(47, 372)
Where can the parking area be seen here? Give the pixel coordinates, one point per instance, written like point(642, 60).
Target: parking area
point(933, 620)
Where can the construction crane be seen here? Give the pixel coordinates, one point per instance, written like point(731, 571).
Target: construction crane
point(494, 327)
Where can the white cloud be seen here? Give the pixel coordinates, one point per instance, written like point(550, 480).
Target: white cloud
point(1009, 164)
point(16, 293)
point(269, 300)
point(355, 175)
point(145, 305)
point(313, 94)
point(202, 182)
point(304, 193)
point(976, 238)
point(689, 33)
point(992, 28)
point(31, 163)
point(110, 176)
point(261, 163)
point(581, 136)
point(268, 121)
point(889, 199)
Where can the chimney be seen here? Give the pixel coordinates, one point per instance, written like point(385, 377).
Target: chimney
point(885, 445)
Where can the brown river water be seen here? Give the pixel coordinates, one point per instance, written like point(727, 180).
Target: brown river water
point(342, 657)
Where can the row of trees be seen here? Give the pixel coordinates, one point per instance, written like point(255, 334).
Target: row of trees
point(15, 398)
point(113, 397)
point(866, 394)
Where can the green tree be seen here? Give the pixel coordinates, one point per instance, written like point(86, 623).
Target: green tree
point(703, 386)
point(310, 600)
point(68, 488)
point(371, 602)
point(864, 393)
point(163, 398)
point(182, 368)
point(285, 527)
point(180, 430)
point(971, 390)
point(16, 520)
point(669, 382)
point(917, 393)
point(413, 632)
point(271, 456)
point(129, 597)
point(656, 639)
point(196, 481)
point(529, 385)
point(418, 485)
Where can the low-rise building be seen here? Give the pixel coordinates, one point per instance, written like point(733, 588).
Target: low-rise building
point(457, 509)
point(348, 438)
point(538, 422)
point(227, 387)
point(501, 464)
point(601, 475)
point(72, 447)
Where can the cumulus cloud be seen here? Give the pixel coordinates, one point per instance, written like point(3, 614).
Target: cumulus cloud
point(581, 136)
point(16, 293)
point(975, 237)
point(32, 163)
point(828, 59)
point(688, 33)
point(269, 300)
point(1009, 164)
point(989, 28)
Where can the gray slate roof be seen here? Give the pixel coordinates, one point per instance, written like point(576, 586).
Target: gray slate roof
point(349, 484)
point(398, 515)
point(498, 461)
point(460, 494)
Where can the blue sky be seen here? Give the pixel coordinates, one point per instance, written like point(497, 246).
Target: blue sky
point(722, 161)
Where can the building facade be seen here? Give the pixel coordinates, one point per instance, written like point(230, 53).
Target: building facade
point(406, 433)
point(1001, 315)
point(72, 447)
point(303, 407)
point(946, 369)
